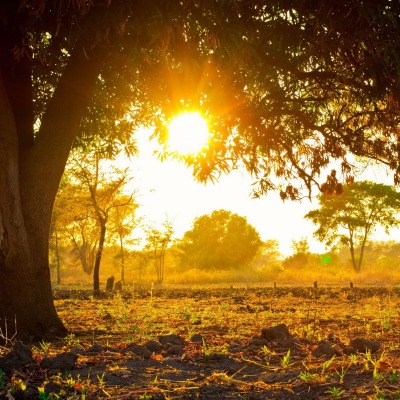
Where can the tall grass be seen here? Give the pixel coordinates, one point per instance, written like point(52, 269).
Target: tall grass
point(337, 275)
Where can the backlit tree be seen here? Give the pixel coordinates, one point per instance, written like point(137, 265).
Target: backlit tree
point(220, 240)
point(349, 219)
point(288, 86)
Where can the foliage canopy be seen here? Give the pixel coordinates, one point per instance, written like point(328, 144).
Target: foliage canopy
point(349, 219)
point(220, 240)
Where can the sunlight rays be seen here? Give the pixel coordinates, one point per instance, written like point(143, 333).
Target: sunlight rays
point(188, 133)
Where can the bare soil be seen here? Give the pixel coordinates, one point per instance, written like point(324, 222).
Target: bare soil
point(221, 343)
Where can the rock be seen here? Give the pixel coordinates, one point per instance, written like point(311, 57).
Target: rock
point(279, 332)
point(95, 349)
point(324, 349)
point(259, 342)
point(154, 346)
point(349, 350)
point(140, 351)
point(61, 362)
point(175, 350)
point(363, 345)
point(171, 339)
point(331, 337)
point(19, 357)
point(197, 338)
point(79, 351)
point(110, 284)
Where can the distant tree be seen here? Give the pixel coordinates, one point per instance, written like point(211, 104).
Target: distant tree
point(157, 244)
point(301, 255)
point(350, 218)
point(220, 240)
point(105, 192)
point(74, 223)
point(122, 222)
point(301, 246)
point(267, 253)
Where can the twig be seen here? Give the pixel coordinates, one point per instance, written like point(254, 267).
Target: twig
point(4, 335)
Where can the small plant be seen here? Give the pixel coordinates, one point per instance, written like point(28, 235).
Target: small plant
point(17, 385)
point(266, 352)
point(70, 382)
point(209, 352)
point(43, 395)
point(71, 340)
point(101, 381)
point(376, 375)
point(335, 392)
point(341, 374)
point(379, 394)
point(205, 349)
point(45, 347)
point(306, 377)
point(327, 364)
point(145, 397)
point(285, 361)
point(353, 358)
point(394, 376)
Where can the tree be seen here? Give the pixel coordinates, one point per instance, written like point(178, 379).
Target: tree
point(349, 219)
point(301, 246)
point(267, 254)
point(73, 223)
point(105, 193)
point(301, 255)
point(157, 244)
point(288, 86)
point(123, 222)
point(220, 240)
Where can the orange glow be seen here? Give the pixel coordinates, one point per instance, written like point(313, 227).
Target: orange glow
point(188, 133)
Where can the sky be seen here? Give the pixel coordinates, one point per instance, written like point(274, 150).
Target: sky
point(167, 190)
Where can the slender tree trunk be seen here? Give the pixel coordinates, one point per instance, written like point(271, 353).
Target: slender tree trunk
point(58, 261)
point(362, 250)
point(30, 174)
point(96, 270)
point(162, 264)
point(353, 257)
point(121, 243)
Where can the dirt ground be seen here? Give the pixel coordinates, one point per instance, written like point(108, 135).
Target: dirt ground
point(221, 343)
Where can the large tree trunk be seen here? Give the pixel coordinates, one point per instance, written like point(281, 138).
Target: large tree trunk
point(19, 300)
point(30, 174)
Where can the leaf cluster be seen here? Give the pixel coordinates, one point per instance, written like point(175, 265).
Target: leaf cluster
point(289, 87)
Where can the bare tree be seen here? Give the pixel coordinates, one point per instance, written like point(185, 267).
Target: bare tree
point(157, 244)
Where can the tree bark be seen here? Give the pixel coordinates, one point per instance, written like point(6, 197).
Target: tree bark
point(29, 178)
point(17, 294)
point(96, 270)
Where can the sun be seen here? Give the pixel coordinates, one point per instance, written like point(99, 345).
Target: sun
point(188, 133)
